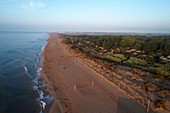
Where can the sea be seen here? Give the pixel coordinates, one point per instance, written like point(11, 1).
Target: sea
point(21, 87)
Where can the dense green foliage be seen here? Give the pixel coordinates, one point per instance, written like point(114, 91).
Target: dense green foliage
point(134, 51)
point(111, 58)
point(132, 61)
point(148, 44)
point(120, 56)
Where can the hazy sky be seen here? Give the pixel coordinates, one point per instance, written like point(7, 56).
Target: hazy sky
point(86, 15)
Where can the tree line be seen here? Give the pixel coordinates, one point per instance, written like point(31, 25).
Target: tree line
point(150, 45)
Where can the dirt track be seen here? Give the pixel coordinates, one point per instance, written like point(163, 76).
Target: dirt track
point(83, 90)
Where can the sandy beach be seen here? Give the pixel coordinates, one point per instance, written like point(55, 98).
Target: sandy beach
point(78, 89)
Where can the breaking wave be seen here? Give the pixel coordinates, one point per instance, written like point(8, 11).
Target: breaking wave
point(43, 99)
point(38, 86)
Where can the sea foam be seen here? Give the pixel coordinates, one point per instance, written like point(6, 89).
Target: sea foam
point(43, 100)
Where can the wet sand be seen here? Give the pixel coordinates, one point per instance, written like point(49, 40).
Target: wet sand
point(78, 89)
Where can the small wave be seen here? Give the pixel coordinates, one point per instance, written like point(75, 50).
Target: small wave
point(26, 72)
point(37, 57)
point(43, 104)
point(25, 68)
point(41, 95)
point(48, 99)
point(39, 70)
point(42, 49)
point(36, 81)
point(43, 100)
point(35, 88)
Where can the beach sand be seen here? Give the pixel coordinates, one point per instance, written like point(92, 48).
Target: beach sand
point(78, 89)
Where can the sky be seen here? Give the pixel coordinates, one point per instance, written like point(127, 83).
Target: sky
point(85, 15)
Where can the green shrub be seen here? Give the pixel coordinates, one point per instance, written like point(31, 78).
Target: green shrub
point(150, 58)
point(111, 58)
point(162, 72)
point(120, 56)
point(136, 61)
point(152, 69)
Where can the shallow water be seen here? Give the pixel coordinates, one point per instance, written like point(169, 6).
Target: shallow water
point(20, 58)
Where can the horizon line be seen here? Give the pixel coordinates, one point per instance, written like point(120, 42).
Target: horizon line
point(76, 31)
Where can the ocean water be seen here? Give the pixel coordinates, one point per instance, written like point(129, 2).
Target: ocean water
point(21, 89)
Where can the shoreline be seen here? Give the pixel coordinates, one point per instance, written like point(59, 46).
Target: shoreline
point(54, 88)
point(60, 83)
point(44, 98)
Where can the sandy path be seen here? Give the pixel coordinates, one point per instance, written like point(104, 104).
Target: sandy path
point(85, 90)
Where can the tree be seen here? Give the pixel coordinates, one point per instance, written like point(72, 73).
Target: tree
point(151, 45)
point(99, 42)
point(137, 46)
point(127, 42)
point(167, 48)
point(107, 45)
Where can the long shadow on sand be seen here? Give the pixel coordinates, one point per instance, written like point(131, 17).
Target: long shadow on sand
point(129, 106)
